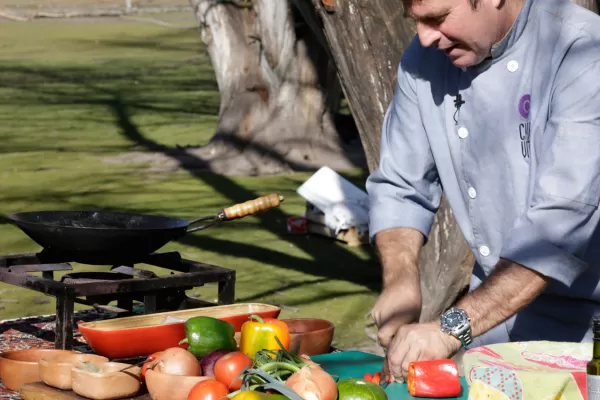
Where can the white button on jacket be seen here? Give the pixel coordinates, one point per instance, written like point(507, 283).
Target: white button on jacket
point(484, 251)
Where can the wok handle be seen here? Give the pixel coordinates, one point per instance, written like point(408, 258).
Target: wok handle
point(251, 207)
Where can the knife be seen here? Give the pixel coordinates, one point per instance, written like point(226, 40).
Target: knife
point(385, 371)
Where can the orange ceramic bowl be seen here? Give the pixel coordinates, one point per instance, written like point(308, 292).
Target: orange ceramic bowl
point(18, 367)
point(146, 334)
point(310, 336)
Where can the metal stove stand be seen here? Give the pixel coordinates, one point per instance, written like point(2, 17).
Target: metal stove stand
point(124, 283)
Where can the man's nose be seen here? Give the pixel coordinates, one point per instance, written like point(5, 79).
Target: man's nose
point(427, 35)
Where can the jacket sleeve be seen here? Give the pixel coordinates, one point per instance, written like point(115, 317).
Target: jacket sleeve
point(404, 191)
point(553, 234)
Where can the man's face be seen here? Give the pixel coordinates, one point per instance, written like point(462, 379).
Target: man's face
point(465, 34)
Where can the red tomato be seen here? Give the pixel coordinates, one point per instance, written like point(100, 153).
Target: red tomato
point(208, 390)
point(229, 367)
point(149, 362)
point(377, 378)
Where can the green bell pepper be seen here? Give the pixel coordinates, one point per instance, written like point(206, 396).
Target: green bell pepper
point(205, 334)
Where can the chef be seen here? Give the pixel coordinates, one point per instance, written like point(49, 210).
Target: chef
point(497, 102)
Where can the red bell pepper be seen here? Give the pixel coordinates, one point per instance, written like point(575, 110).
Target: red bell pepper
point(434, 379)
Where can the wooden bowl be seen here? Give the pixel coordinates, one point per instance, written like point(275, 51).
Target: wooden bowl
point(163, 386)
point(142, 335)
point(56, 371)
point(18, 367)
point(310, 336)
point(107, 384)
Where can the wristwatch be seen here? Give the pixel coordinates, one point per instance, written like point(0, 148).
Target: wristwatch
point(457, 323)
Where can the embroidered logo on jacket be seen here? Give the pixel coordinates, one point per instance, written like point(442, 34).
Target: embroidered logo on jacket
point(525, 126)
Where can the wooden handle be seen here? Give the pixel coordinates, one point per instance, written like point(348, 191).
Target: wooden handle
point(253, 206)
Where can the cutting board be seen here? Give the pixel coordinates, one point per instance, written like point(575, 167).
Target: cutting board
point(41, 391)
point(354, 364)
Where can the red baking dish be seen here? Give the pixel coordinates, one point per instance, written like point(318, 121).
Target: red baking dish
point(146, 334)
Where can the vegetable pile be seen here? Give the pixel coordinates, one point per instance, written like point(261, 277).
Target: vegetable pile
point(262, 368)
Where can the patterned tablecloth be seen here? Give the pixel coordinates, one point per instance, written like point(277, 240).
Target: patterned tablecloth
point(25, 333)
point(528, 371)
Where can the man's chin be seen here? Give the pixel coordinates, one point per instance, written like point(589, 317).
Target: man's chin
point(463, 60)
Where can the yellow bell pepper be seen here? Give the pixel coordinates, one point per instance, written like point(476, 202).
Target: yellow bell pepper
point(259, 334)
point(250, 395)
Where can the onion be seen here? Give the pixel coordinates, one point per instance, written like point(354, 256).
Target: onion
point(178, 361)
point(307, 359)
point(208, 361)
point(313, 383)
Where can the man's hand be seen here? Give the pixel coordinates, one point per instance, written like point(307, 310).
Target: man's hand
point(418, 342)
point(508, 290)
point(399, 304)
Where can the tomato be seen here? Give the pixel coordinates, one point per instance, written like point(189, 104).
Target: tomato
point(229, 367)
point(375, 378)
point(208, 390)
point(149, 363)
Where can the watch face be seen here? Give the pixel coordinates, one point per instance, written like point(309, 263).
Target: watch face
point(454, 319)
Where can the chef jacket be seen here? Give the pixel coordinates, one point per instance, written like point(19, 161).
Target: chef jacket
point(518, 157)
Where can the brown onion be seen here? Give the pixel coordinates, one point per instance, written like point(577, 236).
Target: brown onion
point(178, 361)
point(307, 359)
point(313, 383)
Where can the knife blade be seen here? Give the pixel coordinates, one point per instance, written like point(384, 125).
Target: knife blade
point(385, 371)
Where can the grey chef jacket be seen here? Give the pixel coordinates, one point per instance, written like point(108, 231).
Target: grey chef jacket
point(519, 162)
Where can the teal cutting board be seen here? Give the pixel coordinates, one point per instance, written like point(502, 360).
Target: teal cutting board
point(354, 364)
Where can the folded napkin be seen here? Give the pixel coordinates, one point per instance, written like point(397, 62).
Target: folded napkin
point(528, 371)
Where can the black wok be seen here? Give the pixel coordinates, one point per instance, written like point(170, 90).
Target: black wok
point(117, 237)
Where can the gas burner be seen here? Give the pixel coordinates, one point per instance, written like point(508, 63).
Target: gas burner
point(89, 277)
point(124, 283)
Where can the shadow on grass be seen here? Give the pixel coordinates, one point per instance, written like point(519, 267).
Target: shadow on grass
point(92, 86)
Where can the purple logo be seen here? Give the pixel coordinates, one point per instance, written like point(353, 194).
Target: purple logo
point(524, 104)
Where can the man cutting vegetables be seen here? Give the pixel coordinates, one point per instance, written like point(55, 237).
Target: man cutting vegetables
point(498, 102)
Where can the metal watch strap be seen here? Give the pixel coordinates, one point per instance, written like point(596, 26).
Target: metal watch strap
point(466, 338)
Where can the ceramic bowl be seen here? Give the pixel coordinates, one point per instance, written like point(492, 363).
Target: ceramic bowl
point(142, 335)
point(56, 371)
point(310, 336)
point(163, 386)
point(18, 367)
point(106, 381)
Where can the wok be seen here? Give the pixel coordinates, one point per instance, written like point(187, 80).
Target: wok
point(113, 237)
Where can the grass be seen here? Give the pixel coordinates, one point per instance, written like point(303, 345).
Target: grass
point(88, 3)
point(73, 95)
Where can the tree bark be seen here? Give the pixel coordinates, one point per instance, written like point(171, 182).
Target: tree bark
point(591, 5)
point(273, 77)
point(366, 39)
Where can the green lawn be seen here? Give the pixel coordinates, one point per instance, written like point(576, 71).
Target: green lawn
point(75, 95)
point(32, 4)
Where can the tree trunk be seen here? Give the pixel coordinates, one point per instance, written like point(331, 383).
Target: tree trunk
point(272, 76)
point(366, 40)
point(589, 4)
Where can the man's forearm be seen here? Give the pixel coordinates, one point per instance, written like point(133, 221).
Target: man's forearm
point(508, 289)
point(399, 253)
